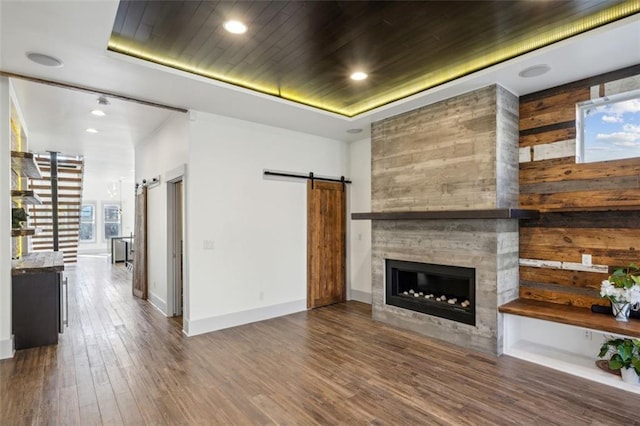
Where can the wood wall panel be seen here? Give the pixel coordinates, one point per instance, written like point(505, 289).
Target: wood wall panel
point(589, 208)
point(562, 277)
point(560, 296)
point(554, 109)
point(550, 136)
point(564, 169)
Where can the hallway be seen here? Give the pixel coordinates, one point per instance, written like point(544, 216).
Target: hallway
point(122, 362)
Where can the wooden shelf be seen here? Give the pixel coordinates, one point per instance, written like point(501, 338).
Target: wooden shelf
point(571, 315)
point(26, 196)
point(25, 165)
point(449, 214)
point(23, 232)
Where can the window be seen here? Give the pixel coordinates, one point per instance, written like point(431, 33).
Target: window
point(608, 128)
point(88, 223)
point(111, 220)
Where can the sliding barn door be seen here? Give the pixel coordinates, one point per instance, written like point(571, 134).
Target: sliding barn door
point(140, 246)
point(326, 222)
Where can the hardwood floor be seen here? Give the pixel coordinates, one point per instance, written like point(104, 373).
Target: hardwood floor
point(121, 362)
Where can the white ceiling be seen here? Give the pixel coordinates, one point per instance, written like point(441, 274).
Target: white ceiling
point(57, 120)
point(77, 33)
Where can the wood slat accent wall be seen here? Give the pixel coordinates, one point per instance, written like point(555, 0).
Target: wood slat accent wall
point(591, 208)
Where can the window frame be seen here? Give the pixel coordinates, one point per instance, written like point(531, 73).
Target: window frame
point(106, 204)
point(93, 222)
point(583, 107)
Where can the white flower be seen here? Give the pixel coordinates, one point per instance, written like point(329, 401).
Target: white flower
point(607, 289)
point(632, 295)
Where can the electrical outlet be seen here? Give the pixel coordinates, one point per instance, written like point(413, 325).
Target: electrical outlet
point(586, 259)
point(208, 245)
point(588, 335)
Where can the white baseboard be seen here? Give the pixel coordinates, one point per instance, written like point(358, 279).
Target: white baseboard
point(158, 303)
point(6, 348)
point(205, 325)
point(360, 296)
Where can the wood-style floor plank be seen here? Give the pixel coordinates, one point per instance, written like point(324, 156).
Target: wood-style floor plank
point(121, 362)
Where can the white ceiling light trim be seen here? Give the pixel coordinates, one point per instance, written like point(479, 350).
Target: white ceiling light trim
point(45, 60)
point(535, 71)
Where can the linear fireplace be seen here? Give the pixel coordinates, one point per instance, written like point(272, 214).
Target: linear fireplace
point(439, 290)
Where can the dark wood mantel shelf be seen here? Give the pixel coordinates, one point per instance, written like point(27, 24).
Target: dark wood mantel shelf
point(449, 214)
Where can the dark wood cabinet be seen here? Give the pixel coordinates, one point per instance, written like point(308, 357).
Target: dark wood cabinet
point(36, 309)
point(36, 305)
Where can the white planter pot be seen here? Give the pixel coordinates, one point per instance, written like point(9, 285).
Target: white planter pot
point(629, 375)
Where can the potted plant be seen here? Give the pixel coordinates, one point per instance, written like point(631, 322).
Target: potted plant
point(18, 217)
point(624, 355)
point(623, 291)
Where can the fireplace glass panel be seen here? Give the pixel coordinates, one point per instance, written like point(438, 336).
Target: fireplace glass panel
point(440, 290)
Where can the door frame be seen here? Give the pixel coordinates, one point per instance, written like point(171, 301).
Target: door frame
point(173, 178)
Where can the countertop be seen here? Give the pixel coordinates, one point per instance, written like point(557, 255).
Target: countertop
point(38, 263)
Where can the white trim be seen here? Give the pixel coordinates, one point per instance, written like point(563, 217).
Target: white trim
point(158, 303)
point(175, 174)
point(360, 296)
point(552, 150)
point(205, 325)
point(524, 154)
point(559, 346)
point(569, 266)
point(6, 348)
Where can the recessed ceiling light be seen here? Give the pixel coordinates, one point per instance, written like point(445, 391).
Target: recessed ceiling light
point(354, 131)
point(235, 27)
point(534, 71)
point(359, 75)
point(91, 130)
point(98, 112)
point(44, 60)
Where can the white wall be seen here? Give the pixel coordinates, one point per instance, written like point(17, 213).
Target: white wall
point(257, 267)
point(162, 152)
point(6, 339)
point(100, 190)
point(359, 239)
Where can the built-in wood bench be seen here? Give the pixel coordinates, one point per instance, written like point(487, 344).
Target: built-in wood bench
point(571, 315)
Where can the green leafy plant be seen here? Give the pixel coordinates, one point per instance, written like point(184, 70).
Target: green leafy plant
point(626, 277)
point(624, 353)
point(623, 285)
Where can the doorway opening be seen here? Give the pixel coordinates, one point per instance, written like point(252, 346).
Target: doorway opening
point(175, 247)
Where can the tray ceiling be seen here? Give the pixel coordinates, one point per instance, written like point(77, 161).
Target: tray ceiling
point(305, 51)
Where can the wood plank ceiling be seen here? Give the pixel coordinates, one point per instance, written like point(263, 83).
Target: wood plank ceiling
point(304, 51)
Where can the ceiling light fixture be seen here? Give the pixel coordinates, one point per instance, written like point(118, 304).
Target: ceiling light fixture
point(535, 71)
point(91, 130)
point(102, 100)
point(235, 27)
point(359, 76)
point(44, 60)
point(98, 112)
